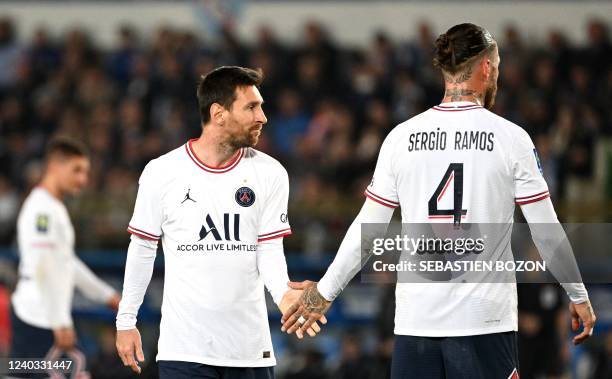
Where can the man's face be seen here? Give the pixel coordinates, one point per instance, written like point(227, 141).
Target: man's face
point(72, 173)
point(246, 118)
point(491, 88)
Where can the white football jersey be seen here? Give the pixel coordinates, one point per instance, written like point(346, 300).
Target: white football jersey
point(45, 237)
point(457, 154)
point(210, 221)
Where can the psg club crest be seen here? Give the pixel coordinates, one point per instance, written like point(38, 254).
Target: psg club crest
point(245, 197)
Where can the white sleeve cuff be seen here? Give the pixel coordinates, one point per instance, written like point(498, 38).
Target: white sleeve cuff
point(325, 288)
point(554, 247)
point(576, 292)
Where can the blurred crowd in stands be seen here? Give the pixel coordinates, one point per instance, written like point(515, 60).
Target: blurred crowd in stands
point(329, 108)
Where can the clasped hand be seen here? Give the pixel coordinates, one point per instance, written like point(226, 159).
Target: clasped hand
point(302, 307)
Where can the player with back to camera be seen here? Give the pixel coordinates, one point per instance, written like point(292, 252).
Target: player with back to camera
point(49, 270)
point(220, 209)
point(453, 330)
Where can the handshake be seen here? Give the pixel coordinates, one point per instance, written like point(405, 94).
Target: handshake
point(302, 306)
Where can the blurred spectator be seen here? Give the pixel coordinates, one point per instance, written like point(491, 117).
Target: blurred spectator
point(309, 365)
point(599, 50)
point(603, 361)
point(9, 206)
point(43, 55)
point(105, 364)
point(353, 363)
point(121, 60)
point(290, 123)
point(543, 326)
point(10, 54)
point(385, 325)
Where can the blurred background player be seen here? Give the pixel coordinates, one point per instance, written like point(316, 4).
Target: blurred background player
point(49, 269)
point(458, 330)
point(220, 209)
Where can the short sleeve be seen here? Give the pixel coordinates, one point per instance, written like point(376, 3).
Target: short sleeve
point(147, 217)
point(529, 183)
point(274, 220)
point(382, 188)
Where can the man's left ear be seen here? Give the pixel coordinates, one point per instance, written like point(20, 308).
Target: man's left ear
point(486, 66)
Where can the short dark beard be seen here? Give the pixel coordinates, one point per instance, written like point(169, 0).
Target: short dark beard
point(239, 142)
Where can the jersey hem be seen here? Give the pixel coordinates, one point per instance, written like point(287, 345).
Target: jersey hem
point(216, 362)
point(29, 320)
point(456, 333)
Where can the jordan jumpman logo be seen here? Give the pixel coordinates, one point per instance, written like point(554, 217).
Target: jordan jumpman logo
point(187, 197)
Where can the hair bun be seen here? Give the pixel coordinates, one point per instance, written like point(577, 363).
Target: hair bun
point(442, 41)
point(459, 44)
point(444, 51)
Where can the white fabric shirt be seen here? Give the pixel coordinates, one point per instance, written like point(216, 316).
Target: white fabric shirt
point(211, 222)
point(417, 169)
point(49, 270)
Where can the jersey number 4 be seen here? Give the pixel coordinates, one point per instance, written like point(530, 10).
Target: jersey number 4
point(454, 173)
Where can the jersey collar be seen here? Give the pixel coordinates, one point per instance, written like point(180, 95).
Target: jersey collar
point(215, 170)
point(455, 106)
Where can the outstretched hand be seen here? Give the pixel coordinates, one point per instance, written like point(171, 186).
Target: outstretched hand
point(306, 311)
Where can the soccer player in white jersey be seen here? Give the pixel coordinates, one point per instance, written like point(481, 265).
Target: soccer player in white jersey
point(49, 270)
point(220, 209)
point(448, 330)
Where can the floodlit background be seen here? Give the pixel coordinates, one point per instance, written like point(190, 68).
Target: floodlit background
point(121, 76)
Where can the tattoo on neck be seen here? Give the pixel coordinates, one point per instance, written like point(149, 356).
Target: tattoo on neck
point(456, 94)
point(465, 76)
point(313, 301)
point(460, 78)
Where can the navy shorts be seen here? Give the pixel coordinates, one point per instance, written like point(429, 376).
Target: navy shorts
point(487, 356)
point(29, 341)
point(187, 370)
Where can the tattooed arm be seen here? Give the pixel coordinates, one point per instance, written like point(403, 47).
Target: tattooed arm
point(317, 297)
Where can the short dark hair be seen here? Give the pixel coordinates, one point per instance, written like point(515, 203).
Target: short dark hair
point(219, 86)
point(459, 45)
point(65, 147)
